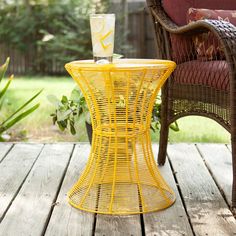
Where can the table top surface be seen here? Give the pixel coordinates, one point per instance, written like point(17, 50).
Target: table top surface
point(122, 64)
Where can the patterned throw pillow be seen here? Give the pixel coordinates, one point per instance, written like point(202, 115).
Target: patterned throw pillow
point(207, 45)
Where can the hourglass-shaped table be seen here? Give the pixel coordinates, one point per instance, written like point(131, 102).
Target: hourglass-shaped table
point(121, 176)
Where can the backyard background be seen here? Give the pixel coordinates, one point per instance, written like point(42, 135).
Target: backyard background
point(40, 36)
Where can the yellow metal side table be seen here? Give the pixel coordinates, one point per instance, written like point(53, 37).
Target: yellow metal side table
point(121, 176)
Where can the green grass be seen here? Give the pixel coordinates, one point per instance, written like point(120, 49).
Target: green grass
point(38, 126)
point(197, 129)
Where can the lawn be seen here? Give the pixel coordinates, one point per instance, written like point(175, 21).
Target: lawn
point(38, 126)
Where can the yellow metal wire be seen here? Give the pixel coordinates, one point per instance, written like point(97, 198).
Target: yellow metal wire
point(121, 176)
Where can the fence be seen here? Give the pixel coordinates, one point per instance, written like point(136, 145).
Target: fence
point(140, 37)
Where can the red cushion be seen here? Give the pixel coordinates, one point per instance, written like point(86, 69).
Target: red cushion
point(209, 73)
point(177, 9)
point(207, 45)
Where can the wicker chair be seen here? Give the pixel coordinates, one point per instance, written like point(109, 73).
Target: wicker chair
point(198, 86)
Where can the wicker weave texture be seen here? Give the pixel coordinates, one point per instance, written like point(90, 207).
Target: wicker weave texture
point(121, 176)
point(204, 83)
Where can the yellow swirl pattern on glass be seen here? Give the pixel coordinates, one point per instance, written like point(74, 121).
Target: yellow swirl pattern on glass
point(102, 32)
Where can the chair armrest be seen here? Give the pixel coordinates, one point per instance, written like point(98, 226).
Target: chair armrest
point(224, 31)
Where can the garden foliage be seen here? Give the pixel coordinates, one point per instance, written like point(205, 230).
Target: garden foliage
point(69, 110)
point(20, 113)
point(54, 31)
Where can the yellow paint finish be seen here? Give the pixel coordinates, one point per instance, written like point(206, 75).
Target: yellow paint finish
point(121, 176)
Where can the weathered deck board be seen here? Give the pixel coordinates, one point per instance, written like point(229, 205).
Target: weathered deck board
point(118, 225)
point(218, 159)
point(4, 148)
point(29, 212)
point(75, 222)
point(13, 171)
point(172, 221)
point(31, 181)
point(206, 207)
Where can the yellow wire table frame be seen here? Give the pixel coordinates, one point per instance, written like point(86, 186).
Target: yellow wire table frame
point(121, 175)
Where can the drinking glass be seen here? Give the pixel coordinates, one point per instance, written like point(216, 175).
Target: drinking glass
point(102, 32)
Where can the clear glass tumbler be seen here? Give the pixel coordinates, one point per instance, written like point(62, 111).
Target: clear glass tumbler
point(102, 32)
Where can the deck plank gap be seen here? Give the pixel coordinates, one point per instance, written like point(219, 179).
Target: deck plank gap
point(208, 211)
point(180, 194)
point(6, 153)
point(213, 177)
point(58, 190)
point(19, 188)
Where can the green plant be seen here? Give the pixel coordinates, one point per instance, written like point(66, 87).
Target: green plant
point(156, 117)
point(54, 32)
point(18, 114)
point(67, 111)
point(74, 108)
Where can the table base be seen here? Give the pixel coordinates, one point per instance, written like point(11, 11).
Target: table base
point(121, 177)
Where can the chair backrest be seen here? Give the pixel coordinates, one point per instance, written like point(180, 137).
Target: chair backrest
point(177, 9)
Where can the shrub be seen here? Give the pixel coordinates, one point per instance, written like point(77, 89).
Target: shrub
point(19, 113)
point(69, 110)
point(53, 31)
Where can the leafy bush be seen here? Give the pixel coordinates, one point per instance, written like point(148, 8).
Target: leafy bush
point(156, 117)
point(19, 114)
point(69, 110)
point(53, 31)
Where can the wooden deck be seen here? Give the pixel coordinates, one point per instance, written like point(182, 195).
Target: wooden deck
point(34, 180)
